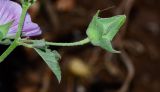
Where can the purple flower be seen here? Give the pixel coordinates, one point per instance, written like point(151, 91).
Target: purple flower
point(11, 11)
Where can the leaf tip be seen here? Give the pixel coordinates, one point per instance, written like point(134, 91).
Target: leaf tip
point(115, 51)
point(59, 80)
point(123, 18)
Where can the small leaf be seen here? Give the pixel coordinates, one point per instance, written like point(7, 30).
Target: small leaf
point(4, 29)
point(51, 58)
point(101, 31)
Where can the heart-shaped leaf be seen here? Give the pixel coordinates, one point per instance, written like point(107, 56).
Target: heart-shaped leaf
point(101, 31)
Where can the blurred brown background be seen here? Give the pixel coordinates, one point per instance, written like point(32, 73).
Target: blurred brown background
point(88, 68)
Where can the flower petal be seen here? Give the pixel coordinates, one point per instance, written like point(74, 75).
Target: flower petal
point(11, 11)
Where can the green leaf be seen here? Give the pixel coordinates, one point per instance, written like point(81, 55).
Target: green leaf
point(101, 31)
point(51, 58)
point(4, 29)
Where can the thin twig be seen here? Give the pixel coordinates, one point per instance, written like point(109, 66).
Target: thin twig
point(130, 68)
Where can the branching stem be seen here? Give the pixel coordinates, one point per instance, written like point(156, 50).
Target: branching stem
point(18, 34)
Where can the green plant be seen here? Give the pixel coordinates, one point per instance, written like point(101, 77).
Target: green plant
point(100, 32)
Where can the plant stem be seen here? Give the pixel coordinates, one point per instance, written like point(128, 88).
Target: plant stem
point(8, 51)
point(21, 22)
point(30, 42)
point(18, 34)
point(82, 42)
